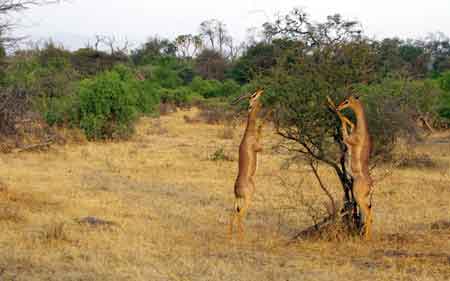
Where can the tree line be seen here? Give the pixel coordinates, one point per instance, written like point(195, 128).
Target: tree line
point(299, 61)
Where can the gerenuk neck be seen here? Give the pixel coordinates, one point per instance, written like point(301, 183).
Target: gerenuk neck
point(251, 121)
point(361, 120)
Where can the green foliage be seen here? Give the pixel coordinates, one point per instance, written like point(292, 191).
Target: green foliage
point(2, 52)
point(392, 107)
point(181, 96)
point(206, 88)
point(444, 81)
point(229, 88)
point(444, 108)
point(88, 62)
point(45, 72)
point(153, 51)
point(148, 98)
point(105, 106)
point(214, 88)
point(258, 59)
point(58, 111)
point(166, 77)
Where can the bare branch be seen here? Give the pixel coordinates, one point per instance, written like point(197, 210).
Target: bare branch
point(314, 166)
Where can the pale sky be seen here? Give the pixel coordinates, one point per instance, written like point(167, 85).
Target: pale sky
point(73, 23)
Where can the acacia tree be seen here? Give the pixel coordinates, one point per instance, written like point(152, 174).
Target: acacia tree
point(188, 45)
point(315, 61)
point(153, 49)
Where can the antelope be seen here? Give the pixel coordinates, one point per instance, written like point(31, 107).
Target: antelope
point(244, 186)
point(359, 147)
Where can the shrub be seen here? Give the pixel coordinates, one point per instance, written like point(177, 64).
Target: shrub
point(105, 106)
point(166, 77)
point(444, 81)
point(110, 103)
point(148, 98)
point(58, 111)
point(444, 100)
point(181, 96)
point(393, 107)
point(207, 88)
point(229, 88)
point(42, 72)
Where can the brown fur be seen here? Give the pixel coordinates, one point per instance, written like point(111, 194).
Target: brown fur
point(359, 145)
point(244, 186)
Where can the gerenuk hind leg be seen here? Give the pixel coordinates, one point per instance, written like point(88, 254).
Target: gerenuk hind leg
point(361, 190)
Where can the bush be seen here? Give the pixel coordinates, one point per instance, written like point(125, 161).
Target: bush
point(148, 98)
point(444, 81)
point(181, 96)
point(206, 88)
point(230, 87)
point(444, 100)
point(58, 111)
point(393, 107)
point(105, 106)
point(41, 73)
point(166, 77)
point(214, 88)
point(109, 104)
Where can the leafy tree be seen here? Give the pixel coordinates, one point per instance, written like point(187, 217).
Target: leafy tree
point(89, 61)
point(317, 60)
point(256, 60)
point(153, 50)
point(438, 46)
point(188, 45)
point(211, 64)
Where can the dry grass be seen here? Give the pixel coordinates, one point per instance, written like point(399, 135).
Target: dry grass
point(170, 207)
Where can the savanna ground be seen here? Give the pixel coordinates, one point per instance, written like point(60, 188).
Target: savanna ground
point(169, 204)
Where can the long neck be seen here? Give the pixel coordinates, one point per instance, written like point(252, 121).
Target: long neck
point(361, 120)
point(251, 121)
